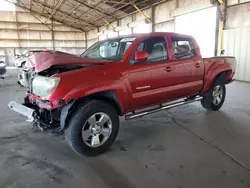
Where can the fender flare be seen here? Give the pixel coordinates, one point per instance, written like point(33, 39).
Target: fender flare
point(64, 115)
point(210, 82)
point(109, 96)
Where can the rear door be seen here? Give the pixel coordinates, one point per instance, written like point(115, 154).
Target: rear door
point(188, 66)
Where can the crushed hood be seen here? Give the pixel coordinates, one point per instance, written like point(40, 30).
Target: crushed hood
point(45, 60)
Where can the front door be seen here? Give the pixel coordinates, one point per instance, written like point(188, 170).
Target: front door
point(150, 80)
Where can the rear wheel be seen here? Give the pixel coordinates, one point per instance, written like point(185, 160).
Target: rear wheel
point(92, 128)
point(214, 99)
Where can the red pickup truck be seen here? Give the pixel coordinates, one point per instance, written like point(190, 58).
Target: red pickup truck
point(84, 96)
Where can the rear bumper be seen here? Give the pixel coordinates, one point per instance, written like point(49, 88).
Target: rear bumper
point(22, 109)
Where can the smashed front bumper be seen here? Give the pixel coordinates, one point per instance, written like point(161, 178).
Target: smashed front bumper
point(21, 109)
point(43, 118)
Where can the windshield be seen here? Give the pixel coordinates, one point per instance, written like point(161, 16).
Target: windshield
point(111, 49)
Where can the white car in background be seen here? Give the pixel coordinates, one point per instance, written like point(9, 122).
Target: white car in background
point(21, 59)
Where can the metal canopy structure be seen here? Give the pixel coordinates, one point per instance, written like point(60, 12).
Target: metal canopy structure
point(84, 15)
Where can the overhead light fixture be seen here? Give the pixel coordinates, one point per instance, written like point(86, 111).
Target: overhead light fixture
point(74, 13)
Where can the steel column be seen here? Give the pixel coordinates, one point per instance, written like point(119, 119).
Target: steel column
point(220, 26)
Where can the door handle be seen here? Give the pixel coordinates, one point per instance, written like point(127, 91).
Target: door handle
point(169, 69)
point(197, 65)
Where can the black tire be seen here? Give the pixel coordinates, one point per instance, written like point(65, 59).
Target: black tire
point(207, 101)
point(82, 113)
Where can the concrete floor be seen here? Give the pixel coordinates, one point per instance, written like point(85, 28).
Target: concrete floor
point(185, 147)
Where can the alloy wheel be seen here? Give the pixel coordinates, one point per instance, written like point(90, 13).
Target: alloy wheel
point(97, 129)
point(217, 95)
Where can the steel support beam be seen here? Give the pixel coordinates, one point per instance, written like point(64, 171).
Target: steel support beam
point(142, 13)
point(105, 20)
point(146, 7)
point(31, 1)
point(133, 19)
point(29, 47)
point(72, 10)
point(97, 9)
point(84, 13)
point(26, 8)
point(55, 9)
point(53, 34)
point(153, 18)
point(44, 2)
point(116, 2)
point(177, 4)
point(220, 26)
point(65, 13)
point(16, 39)
point(34, 13)
point(117, 9)
point(86, 40)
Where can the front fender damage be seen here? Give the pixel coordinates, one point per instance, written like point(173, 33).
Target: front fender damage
point(63, 116)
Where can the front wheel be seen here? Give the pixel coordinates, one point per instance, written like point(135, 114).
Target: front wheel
point(214, 99)
point(93, 128)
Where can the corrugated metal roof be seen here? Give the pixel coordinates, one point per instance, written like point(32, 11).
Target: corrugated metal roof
point(82, 14)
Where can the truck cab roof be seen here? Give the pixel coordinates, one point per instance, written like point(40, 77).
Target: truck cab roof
point(155, 34)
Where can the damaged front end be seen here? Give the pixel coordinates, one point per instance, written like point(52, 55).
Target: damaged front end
point(43, 113)
point(43, 118)
point(41, 77)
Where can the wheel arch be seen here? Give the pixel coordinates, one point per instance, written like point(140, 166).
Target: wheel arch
point(222, 75)
point(108, 96)
point(225, 74)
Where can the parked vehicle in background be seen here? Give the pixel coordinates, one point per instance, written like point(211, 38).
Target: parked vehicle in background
point(21, 59)
point(84, 96)
point(2, 69)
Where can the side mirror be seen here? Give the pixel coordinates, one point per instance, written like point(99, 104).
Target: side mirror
point(141, 56)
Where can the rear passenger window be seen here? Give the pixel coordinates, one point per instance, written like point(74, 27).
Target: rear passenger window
point(183, 48)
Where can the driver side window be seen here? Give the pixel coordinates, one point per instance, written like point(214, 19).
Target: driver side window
point(155, 47)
